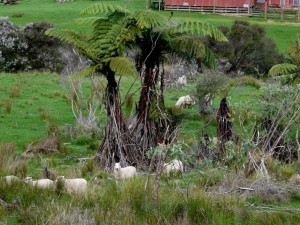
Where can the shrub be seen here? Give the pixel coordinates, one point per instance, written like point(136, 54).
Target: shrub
point(43, 51)
point(209, 84)
point(247, 49)
point(13, 47)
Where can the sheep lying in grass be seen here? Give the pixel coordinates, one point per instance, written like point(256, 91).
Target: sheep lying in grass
point(42, 183)
point(173, 167)
point(184, 101)
point(77, 185)
point(124, 173)
point(10, 179)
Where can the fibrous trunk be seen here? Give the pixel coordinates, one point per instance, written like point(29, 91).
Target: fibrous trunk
point(118, 144)
point(151, 119)
point(224, 125)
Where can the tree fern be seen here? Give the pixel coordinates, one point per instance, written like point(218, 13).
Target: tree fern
point(282, 69)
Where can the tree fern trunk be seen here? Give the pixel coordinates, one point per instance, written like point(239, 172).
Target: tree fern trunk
point(151, 120)
point(224, 126)
point(118, 144)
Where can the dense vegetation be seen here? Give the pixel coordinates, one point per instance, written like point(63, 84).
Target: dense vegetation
point(239, 143)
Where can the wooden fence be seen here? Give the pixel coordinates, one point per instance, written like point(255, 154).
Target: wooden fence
point(272, 13)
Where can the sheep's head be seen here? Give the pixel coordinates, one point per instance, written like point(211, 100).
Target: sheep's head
point(117, 166)
point(28, 179)
point(60, 178)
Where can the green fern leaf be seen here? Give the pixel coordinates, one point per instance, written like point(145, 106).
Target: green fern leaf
point(88, 20)
point(282, 69)
point(199, 29)
point(89, 71)
point(100, 8)
point(122, 66)
point(148, 19)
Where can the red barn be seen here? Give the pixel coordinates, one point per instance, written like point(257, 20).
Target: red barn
point(213, 3)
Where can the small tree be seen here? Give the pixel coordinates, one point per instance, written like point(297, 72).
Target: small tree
point(247, 48)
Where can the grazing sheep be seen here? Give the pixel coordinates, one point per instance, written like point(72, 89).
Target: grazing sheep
point(42, 183)
point(76, 185)
point(124, 173)
point(174, 167)
point(185, 101)
point(182, 80)
point(10, 179)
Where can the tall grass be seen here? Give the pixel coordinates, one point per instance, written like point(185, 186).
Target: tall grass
point(126, 203)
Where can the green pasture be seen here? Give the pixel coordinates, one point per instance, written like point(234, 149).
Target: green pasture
point(34, 97)
point(37, 98)
point(63, 14)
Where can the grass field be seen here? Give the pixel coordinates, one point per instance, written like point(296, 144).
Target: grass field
point(36, 97)
point(62, 15)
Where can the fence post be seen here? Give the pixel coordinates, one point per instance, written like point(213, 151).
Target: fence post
point(298, 13)
point(266, 9)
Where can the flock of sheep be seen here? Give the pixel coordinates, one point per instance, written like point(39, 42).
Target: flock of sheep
point(79, 185)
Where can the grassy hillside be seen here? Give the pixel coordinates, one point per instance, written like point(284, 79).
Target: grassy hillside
point(36, 98)
point(33, 97)
point(63, 15)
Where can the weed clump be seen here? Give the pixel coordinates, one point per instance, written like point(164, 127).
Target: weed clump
point(8, 105)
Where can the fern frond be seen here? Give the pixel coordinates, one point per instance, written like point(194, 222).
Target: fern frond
point(100, 8)
point(284, 69)
point(74, 38)
point(148, 19)
point(209, 59)
point(199, 29)
point(188, 46)
point(88, 20)
point(92, 70)
point(122, 66)
point(195, 48)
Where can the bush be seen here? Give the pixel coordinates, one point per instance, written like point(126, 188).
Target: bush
point(13, 47)
point(43, 51)
point(28, 49)
point(210, 84)
point(247, 48)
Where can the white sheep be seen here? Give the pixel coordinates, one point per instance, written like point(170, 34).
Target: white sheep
point(173, 166)
point(42, 183)
point(182, 80)
point(76, 185)
point(10, 179)
point(185, 101)
point(124, 173)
